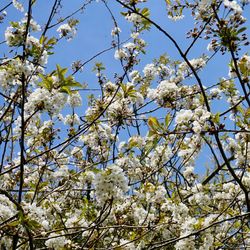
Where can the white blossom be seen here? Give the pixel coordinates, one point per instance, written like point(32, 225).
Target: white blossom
point(110, 183)
point(176, 17)
point(67, 31)
point(75, 99)
point(56, 241)
point(115, 31)
point(183, 116)
point(134, 18)
point(233, 5)
point(18, 5)
point(150, 70)
point(120, 54)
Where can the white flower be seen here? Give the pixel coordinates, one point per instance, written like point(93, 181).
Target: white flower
point(139, 214)
point(150, 70)
point(233, 5)
point(128, 244)
point(136, 140)
point(42, 99)
point(135, 35)
point(176, 18)
point(57, 243)
point(120, 54)
point(109, 88)
point(197, 127)
point(62, 172)
point(232, 73)
point(139, 98)
point(18, 5)
point(120, 109)
point(115, 31)
point(129, 46)
point(12, 37)
point(77, 153)
point(245, 60)
point(31, 40)
point(7, 208)
point(110, 183)
point(43, 60)
point(216, 93)
point(45, 224)
point(89, 176)
point(134, 18)
point(75, 99)
point(166, 86)
point(207, 242)
point(188, 172)
point(183, 116)
point(204, 5)
point(72, 120)
point(197, 63)
point(34, 25)
point(4, 13)
point(165, 91)
point(67, 31)
point(122, 145)
point(135, 76)
point(212, 46)
point(160, 194)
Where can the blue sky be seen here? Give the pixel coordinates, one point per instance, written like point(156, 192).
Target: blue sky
point(94, 36)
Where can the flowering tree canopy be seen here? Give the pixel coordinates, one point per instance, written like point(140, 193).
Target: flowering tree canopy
point(155, 157)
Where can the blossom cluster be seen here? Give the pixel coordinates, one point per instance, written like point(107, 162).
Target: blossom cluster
point(159, 156)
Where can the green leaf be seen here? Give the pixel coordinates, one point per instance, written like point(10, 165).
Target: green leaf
point(241, 30)
point(42, 39)
point(153, 123)
point(15, 25)
point(33, 224)
point(247, 113)
point(65, 89)
point(151, 145)
point(65, 83)
point(163, 59)
point(216, 118)
point(61, 72)
point(132, 143)
point(13, 223)
point(167, 120)
point(151, 133)
point(243, 67)
point(98, 67)
point(145, 12)
point(124, 13)
point(47, 82)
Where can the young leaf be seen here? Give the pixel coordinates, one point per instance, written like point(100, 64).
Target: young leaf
point(153, 123)
point(167, 120)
